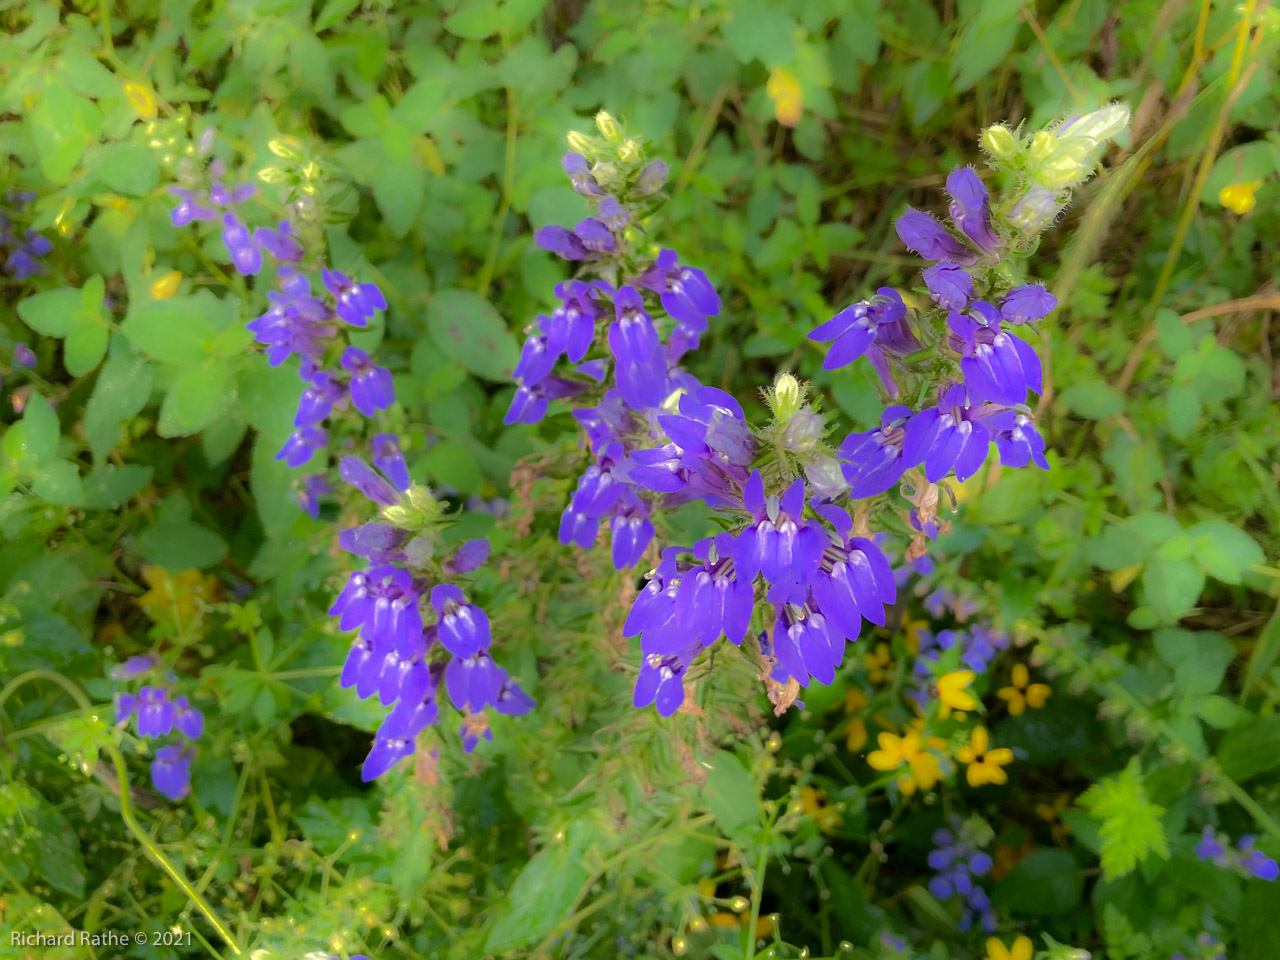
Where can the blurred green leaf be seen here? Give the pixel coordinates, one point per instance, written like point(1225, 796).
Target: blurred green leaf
point(470, 331)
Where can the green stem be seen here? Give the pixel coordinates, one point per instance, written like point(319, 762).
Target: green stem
point(126, 801)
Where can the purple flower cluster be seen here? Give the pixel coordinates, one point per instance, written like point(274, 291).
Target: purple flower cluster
point(298, 322)
point(1208, 947)
point(21, 249)
point(159, 714)
point(957, 863)
point(1243, 858)
point(399, 657)
point(978, 646)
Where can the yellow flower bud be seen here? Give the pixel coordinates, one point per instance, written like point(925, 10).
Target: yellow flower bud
point(141, 99)
point(272, 175)
point(285, 147)
point(629, 152)
point(999, 141)
point(608, 126)
point(1239, 197)
point(311, 171)
point(1042, 145)
point(787, 396)
point(580, 143)
point(787, 96)
point(166, 285)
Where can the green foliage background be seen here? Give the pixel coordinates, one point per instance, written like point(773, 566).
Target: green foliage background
point(1142, 567)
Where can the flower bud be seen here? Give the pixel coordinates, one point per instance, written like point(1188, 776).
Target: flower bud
point(285, 147)
point(652, 178)
point(272, 175)
point(803, 431)
point(608, 127)
point(1099, 126)
point(164, 287)
point(1063, 170)
point(787, 396)
point(1042, 145)
point(999, 141)
point(581, 143)
point(1035, 211)
point(141, 99)
point(629, 152)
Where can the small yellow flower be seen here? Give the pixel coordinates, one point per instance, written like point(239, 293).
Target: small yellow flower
point(856, 732)
point(813, 803)
point(1239, 197)
point(911, 630)
point(895, 751)
point(1021, 949)
point(788, 99)
point(985, 765)
point(952, 692)
point(707, 887)
point(166, 285)
point(1024, 693)
point(879, 663)
point(176, 599)
point(141, 99)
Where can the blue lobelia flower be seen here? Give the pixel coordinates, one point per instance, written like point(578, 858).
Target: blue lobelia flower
point(356, 303)
point(302, 445)
point(171, 771)
point(928, 238)
point(949, 285)
point(640, 363)
point(576, 166)
point(367, 480)
point(317, 400)
point(971, 210)
point(370, 388)
point(280, 243)
point(997, 366)
point(187, 719)
point(378, 542)
point(948, 436)
point(463, 627)
point(780, 544)
point(473, 681)
point(1017, 439)
point(23, 355)
point(661, 680)
point(155, 712)
point(855, 329)
point(387, 457)
point(383, 602)
point(296, 321)
point(311, 490)
point(631, 530)
point(854, 580)
point(1026, 303)
point(686, 293)
point(246, 256)
point(874, 460)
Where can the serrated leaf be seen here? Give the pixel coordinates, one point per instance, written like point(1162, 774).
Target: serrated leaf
point(122, 389)
point(470, 331)
point(172, 331)
point(195, 398)
point(63, 124)
point(1131, 829)
point(984, 42)
point(1172, 586)
point(1095, 399)
point(1182, 409)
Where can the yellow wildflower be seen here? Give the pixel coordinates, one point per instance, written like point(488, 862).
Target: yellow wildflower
point(1051, 814)
point(856, 732)
point(911, 630)
point(879, 663)
point(788, 99)
point(141, 99)
point(1024, 693)
point(952, 692)
point(176, 599)
point(896, 750)
point(1239, 197)
point(1022, 949)
point(985, 765)
point(166, 285)
point(707, 887)
point(724, 920)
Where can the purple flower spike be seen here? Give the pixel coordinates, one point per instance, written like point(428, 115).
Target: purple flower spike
point(971, 209)
point(949, 285)
point(246, 256)
point(562, 242)
point(302, 445)
point(363, 477)
point(189, 209)
point(464, 627)
point(595, 236)
point(135, 666)
point(947, 436)
point(511, 700)
point(388, 458)
point(929, 239)
point(23, 355)
point(469, 556)
point(385, 754)
point(155, 712)
point(997, 366)
point(309, 494)
point(661, 680)
point(171, 772)
point(371, 388)
point(686, 293)
point(874, 461)
point(316, 402)
point(472, 681)
point(187, 719)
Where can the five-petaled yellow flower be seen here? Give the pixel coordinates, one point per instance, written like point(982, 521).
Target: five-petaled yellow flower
point(985, 764)
point(879, 663)
point(952, 692)
point(1021, 949)
point(813, 803)
point(1239, 197)
point(1024, 693)
point(855, 701)
point(894, 751)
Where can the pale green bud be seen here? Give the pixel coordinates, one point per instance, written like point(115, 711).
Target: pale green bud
point(272, 175)
point(581, 143)
point(1042, 145)
point(999, 141)
point(1099, 126)
point(608, 126)
point(803, 431)
point(629, 152)
point(285, 147)
point(1062, 171)
point(787, 397)
point(1034, 211)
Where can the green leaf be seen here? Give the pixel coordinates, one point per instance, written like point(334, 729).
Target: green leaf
point(1250, 748)
point(1265, 652)
point(544, 892)
point(398, 190)
point(733, 798)
point(1174, 336)
point(1234, 551)
point(1199, 658)
point(122, 389)
point(759, 31)
point(474, 20)
point(1095, 399)
point(1219, 712)
point(51, 312)
point(1131, 829)
point(1258, 933)
point(126, 168)
point(196, 398)
point(59, 482)
point(1047, 883)
point(1182, 409)
point(63, 124)
point(174, 331)
point(108, 486)
point(34, 440)
point(178, 543)
point(985, 42)
point(470, 331)
point(1172, 586)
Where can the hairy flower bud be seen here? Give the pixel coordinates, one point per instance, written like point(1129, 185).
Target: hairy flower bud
point(787, 397)
point(580, 143)
point(608, 126)
point(1042, 145)
point(1035, 211)
point(1099, 126)
point(286, 147)
point(804, 430)
point(999, 141)
point(629, 152)
point(652, 178)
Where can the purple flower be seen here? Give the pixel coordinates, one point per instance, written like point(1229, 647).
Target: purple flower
point(640, 365)
point(385, 754)
point(686, 293)
point(1017, 439)
point(155, 712)
point(806, 644)
point(854, 581)
point(388, 458)
point(313, 488)
point(971, 209)
point(929, 239)
point(468, 556)
point(383, 602)
point(510, 700)
point(189, 209)
point(316, 402)
point(246, 256)
point(874, 461)
point(661, 680)
point(1026, 303)
point(296, 322)
point(997, 366)
point(562, 242)
point(463, 627)
point(856, 328)
point(135, 666)
point(187, 719)
point(947, 436)
point(472, 681)
point(780, 544)
point(171, 771)
point(575, 165)
point(595, 236)
point(371, 388)
point(631, 530)
point(1254, 861)
point(356, 302)
point(949, 285)
point(379, 542)
point(365, 479)
point(280, 243)
point(302, 445)
point(24, 355)
point(613, 214)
